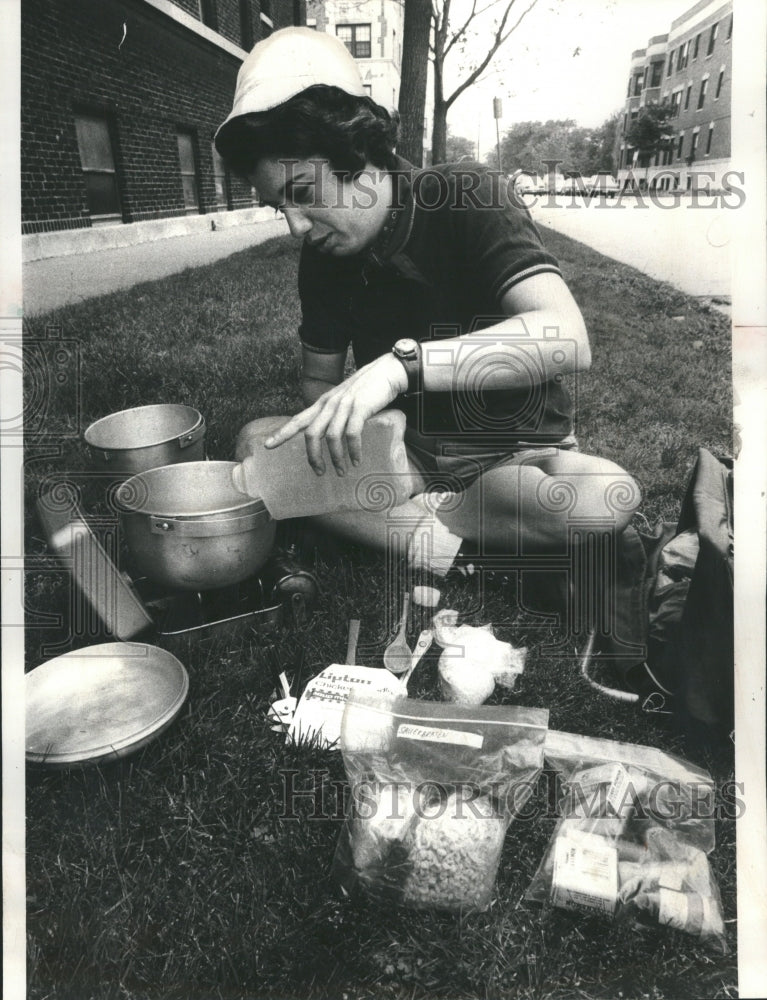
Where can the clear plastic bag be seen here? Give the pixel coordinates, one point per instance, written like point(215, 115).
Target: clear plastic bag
point(636, 829)
point(433, 790)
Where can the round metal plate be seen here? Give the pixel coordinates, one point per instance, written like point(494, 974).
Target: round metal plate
point(101, 702)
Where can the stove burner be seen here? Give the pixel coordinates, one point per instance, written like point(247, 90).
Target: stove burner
point(179, 612)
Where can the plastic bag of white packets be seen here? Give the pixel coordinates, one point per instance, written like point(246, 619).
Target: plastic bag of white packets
point(636, 829)
point(433, 790)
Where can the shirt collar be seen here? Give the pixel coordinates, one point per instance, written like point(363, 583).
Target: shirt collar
point(399, 219)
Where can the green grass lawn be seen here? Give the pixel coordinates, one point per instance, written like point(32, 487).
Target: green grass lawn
point(175, 873)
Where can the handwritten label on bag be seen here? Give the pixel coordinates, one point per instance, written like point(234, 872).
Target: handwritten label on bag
point(432, 735)
point(585, 874)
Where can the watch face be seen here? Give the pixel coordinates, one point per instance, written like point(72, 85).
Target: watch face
point(406, 346)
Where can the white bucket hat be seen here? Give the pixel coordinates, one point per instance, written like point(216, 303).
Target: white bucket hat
point(287, 62)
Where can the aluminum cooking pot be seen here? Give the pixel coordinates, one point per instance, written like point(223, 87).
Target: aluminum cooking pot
point(188, 528)
point(132, 441)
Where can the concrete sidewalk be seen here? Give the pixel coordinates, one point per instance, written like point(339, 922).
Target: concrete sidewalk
point(60, 281)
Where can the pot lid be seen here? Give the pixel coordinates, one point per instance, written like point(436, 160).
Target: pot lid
point(101, 702)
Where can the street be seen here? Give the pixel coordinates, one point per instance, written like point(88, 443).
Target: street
point(687, 245)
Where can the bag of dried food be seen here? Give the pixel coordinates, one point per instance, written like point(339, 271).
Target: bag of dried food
point(636, 829)
point(433, 790)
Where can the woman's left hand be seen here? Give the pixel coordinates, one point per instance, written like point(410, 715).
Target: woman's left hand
point(340, 413)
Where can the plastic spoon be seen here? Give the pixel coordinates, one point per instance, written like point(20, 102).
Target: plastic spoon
point(425, 640)
point(281, 711)
point(398, 655)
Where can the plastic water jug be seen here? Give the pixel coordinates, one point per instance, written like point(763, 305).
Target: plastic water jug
point(289, 487)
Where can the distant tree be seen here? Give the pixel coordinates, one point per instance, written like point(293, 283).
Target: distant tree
point(603, 145)
point(458, 147)
point(530, 146)
point(649, 133)
point(412, 91)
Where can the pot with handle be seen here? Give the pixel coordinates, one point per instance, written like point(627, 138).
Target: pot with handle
point(146, 437)
point(186, 526)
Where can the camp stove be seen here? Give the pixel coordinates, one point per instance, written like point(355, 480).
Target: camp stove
point(134, 607)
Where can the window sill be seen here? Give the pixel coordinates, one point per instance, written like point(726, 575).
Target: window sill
point(106, 220)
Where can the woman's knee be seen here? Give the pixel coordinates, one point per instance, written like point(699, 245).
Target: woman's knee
point(586, 486)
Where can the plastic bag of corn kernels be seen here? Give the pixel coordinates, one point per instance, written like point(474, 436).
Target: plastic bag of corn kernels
point(433, 790)
point(636, 829)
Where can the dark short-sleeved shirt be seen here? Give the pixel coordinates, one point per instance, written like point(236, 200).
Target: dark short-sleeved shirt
point(454, 242)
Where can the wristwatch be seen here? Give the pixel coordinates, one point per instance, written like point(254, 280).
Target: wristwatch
point(408, 352)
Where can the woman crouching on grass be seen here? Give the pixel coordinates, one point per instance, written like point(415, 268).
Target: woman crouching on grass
point(456, 315)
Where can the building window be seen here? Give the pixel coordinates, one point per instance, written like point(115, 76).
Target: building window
point(694, 144)
point(712, 39)
point(729, 29)
point(695, 47)
point(208, 14)
point(638, 80)
point(676, 102)
point(356, 37)
point(246, 26)
point(680, 144)
point(97, 159)
point(681, 62)
point(687, 94)
point(670, 69)
point(220, 181)
point(657, 74)
point(719, 83)
point(702, 94)
point(188, 164)
point(709, 138)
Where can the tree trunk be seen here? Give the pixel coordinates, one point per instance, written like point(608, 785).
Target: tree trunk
point(412, 91)
point(439, 132)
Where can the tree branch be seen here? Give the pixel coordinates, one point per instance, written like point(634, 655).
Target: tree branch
point(501, 35)
point(462, 30)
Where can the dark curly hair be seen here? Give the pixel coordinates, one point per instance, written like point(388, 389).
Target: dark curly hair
point(320, 121)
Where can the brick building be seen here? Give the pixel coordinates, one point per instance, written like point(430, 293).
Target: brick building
point(120, 100)
point(690, 70)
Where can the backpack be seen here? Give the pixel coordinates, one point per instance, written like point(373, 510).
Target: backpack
point(682, 607)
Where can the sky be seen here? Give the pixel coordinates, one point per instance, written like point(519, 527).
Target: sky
point(567, 59)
